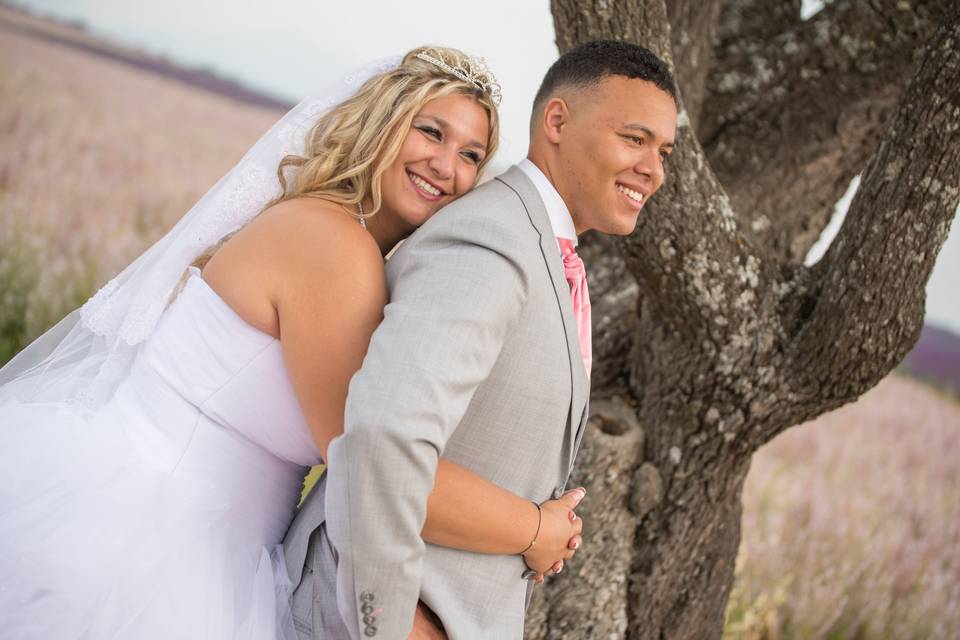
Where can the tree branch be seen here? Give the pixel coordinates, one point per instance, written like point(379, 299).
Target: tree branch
point(577, 21)
point(751, 23)
point(866, 299)
point(789, 121)
point(693, 29)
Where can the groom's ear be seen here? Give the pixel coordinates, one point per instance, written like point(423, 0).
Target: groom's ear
point(556, 116)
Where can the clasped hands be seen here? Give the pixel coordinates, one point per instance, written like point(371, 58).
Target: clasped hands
point(557, 540)
point(559, 536)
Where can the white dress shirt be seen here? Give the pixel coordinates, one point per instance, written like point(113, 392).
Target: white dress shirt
point(560, 218)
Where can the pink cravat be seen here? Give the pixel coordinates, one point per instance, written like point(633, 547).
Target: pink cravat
point(576, 277)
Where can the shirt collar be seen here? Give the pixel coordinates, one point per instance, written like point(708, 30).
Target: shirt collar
point(560, 219)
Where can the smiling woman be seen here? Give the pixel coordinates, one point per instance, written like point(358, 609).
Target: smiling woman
point(439, 160)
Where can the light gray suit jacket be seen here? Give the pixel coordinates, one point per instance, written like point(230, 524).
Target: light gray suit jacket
point(477, 359)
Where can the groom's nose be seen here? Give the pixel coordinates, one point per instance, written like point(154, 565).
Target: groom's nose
point(650, 165)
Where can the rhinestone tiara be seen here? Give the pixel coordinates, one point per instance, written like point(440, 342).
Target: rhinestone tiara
point(479, 75)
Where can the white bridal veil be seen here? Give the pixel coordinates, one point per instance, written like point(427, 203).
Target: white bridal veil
point(82, 359)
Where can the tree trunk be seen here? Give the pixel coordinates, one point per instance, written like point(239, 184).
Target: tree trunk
point(711, 337)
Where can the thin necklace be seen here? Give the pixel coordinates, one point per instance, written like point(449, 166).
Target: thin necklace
point(363, 223)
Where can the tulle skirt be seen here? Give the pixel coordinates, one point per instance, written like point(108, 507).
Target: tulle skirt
point(95, 542)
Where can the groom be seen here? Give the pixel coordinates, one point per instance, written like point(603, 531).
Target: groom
point(483, 356)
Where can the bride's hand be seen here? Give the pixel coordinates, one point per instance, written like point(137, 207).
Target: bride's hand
point(559, 535)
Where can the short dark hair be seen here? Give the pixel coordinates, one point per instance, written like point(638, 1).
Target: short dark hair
point(589, 63)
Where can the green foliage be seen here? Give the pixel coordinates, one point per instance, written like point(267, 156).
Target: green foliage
point(18, 278)
point(32, 301)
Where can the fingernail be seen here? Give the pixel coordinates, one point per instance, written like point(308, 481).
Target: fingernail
point(558, 569)
point(576, 544)
point(572, 516)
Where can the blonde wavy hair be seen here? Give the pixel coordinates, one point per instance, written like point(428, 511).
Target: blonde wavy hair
point(350, 146)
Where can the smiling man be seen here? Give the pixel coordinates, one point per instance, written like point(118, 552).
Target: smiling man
point(601, 142)
point(483, 357)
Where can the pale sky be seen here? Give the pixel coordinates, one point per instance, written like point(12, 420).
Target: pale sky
point(293, 48)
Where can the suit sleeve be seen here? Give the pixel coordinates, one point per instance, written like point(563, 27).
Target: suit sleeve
point(457, 289)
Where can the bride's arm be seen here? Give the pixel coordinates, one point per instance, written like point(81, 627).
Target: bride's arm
point(466, 511)
point(328, 288)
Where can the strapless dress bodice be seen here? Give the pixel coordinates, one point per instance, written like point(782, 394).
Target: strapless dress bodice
point(209, 396)
point(205, 360)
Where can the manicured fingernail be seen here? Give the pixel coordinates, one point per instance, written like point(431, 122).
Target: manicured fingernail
point(576, 544)
point(572, 515)
point(558, 569)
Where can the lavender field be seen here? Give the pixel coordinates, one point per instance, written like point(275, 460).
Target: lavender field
point(851, 524)
point(97, 162)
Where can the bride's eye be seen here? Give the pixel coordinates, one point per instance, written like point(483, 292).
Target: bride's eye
point(472, 156)
point(430, 131)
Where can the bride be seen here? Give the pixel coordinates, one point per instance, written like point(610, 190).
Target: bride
point(153, 444)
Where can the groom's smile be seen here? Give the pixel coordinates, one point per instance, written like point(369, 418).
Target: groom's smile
point(634, 196)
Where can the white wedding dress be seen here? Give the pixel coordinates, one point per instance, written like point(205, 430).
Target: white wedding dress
point(158, 515)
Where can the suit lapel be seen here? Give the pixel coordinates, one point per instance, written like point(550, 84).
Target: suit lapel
point(579, 384)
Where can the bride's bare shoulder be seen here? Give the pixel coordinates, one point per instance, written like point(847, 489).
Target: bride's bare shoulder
point(304, 237)
point(296, 248)
point(315, 230)
point(313, 215)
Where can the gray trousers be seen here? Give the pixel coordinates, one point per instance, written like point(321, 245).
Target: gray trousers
point(314, 604)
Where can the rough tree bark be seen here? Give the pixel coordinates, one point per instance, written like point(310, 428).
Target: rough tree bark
point(796, 109)
point(711, 335)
